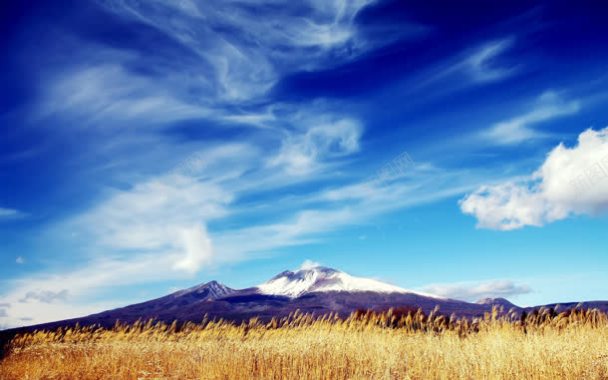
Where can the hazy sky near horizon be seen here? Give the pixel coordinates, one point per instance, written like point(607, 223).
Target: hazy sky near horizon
point(458, 148)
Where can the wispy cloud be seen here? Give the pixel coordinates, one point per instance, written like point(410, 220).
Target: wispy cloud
point(479, 65)
point(570, 181)
point(474, 291)
point(10, 213)
point(548, 106)
point(326, 139)
point(245, 54)
point(482, 65)
point(68, 294)
point(170, 221)
point(159, 229)
point(336, 207)
point(106, 94)
point(165, 216)
point(45, 296)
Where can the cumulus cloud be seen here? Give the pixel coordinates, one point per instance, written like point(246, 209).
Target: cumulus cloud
point(468, 291)
point(20, 260)
point(198, 250)
point(570, 181)
point(521, 128)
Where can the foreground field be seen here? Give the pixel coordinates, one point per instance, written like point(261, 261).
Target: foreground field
point(387, 346)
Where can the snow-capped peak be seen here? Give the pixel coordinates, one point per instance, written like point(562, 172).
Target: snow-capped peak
point(310, 279)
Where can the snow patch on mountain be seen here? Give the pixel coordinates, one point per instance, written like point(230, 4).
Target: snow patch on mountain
point(311, 279)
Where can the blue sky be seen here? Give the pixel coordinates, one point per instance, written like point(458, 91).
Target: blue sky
point(148, 146)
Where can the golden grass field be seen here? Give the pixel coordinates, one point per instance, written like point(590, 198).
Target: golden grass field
point(370, 346)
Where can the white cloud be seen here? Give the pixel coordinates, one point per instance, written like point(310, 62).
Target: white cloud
point(198, 250)
point(20, 260)
point(570, 181)
point(336, 208)
point(247, 53)
point(165, 215)
point(242, 55)
point(155, 226)
point(549, 106)
point(302, 153)
point(106, 93)
point(481, 65)
point(39, 298)
point(509, 206)
point(301, 228)
point(45, 296)
point(474, 291)
point(309, 264)
point(156, 230)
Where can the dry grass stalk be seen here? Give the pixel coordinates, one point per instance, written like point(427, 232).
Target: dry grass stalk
point(391, 345)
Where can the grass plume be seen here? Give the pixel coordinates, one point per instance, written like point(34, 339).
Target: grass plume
point(396, 344)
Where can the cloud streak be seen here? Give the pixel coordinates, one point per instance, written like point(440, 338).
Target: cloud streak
point(243, 54)
point(521, 128)
point(158, 230)
point(10, 214)
point(45, 296)
point(176, 198)
point(165, 216)
point(302, 153)
point(474, 291)
point(482, 65)
point(105, 94)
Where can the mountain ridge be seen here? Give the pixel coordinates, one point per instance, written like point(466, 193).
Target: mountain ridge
point(317, 290)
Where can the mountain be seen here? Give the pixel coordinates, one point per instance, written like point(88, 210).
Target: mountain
point(206, 292)
point(163, 307)
point(501, 302)
point(316, 289)
point(322, 280)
